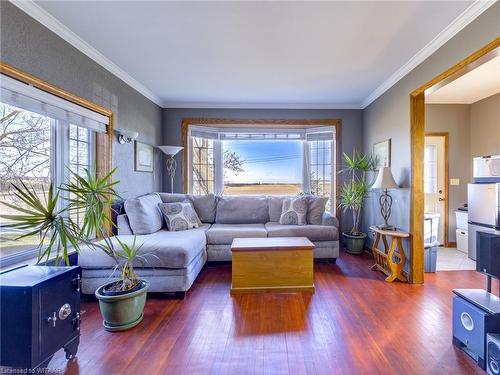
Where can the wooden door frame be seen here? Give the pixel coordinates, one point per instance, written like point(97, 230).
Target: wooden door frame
point(266, 123)
point(417, 138)
point(445, 135)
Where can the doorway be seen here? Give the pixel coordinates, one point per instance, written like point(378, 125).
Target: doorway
point(417, 135)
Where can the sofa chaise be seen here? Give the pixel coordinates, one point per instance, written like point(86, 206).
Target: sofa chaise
point(176, 258)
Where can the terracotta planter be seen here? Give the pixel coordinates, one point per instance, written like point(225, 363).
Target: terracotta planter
point(354, 243)
point(122, 311)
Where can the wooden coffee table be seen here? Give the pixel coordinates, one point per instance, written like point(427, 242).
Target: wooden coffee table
point(272, 264)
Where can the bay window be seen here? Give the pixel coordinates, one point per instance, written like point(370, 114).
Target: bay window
point(261, 161)
point(43, 139)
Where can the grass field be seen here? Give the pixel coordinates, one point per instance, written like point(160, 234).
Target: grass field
point(262, 189)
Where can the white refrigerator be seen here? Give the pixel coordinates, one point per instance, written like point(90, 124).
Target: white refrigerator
point(484, 211)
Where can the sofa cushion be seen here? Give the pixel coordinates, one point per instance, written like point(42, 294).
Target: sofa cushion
point(313, 232)
point(242, 210)
point(204, 205)
point(294, 211)
point(223, 234)
point(315, 209)
point(163, 249)
point(143, 213)
point(275, 206)
point(179, 215)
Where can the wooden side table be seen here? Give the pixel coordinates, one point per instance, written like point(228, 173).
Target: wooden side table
point(390, 260)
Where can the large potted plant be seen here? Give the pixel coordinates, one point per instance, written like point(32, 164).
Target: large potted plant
point(121, 301)
point(353, 194)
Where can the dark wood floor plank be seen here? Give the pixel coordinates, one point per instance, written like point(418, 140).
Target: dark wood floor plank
point(354, 323)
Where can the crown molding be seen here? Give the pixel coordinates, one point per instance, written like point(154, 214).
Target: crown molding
point(218, 105)
point(54, 25)
point(459, 23)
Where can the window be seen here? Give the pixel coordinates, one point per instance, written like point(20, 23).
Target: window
point(25, 154)
point(203, 165)
point(320, 156)
point(261, 161)
point(430, 169)
point(272, 167)
point(42, 139)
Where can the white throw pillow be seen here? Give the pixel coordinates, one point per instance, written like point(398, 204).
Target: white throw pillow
point(143, 214)
point(294, 211)
point(179, 216)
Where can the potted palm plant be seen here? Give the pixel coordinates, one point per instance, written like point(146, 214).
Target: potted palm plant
point(353, 194)
point(121, 301)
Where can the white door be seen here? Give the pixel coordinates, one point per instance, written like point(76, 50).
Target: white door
point(435, 181)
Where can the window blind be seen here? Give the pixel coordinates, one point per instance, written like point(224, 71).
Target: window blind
point(24, 96)
point(256, 134)
point(320, 134)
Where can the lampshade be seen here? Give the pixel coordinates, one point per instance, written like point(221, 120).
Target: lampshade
point(170, 150)
point(385, 180)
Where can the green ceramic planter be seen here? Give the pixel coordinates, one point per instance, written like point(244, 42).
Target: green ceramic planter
point(124, 311)
point(354, 244)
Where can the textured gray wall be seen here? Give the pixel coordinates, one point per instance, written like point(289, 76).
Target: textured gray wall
point(388, 116)
point(454, 119)
point(351, 127)
point(485, 127)
point(29, 46)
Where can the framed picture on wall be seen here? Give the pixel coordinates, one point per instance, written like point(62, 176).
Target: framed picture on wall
point(143, 157)
point(382, 154)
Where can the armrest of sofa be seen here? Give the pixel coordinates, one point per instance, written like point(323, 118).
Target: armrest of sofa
point(329, 219)
point(123, 225)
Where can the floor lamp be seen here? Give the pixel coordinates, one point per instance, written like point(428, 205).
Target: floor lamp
point(171, 151)
point(385, 181)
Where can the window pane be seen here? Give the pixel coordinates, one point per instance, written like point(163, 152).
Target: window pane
point(79, 158)
point(430, 169)
point(25, 154)
point(262, 167)
point(203, 166)
point(321, 168)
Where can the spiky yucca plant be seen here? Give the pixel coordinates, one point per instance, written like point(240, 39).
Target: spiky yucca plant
point(90, 195)
point(355, 190)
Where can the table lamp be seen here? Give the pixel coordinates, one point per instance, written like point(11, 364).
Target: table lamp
point(171, 151)
point(385, 181)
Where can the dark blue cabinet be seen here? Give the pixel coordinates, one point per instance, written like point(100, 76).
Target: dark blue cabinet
point(39, 314)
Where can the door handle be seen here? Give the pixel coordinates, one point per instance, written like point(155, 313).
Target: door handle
point(441, 199)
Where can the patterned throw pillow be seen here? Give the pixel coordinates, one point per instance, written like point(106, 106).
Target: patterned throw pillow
point(179, 216)
point(294, 211)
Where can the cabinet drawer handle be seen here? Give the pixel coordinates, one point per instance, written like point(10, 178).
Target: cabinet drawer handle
point(52, 319)
point(467, 321)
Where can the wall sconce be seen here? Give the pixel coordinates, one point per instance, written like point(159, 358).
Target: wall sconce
point(126, 136)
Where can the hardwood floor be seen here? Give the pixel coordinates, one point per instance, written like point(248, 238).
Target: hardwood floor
point(355, 323)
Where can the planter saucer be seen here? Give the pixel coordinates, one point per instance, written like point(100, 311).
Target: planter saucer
point(115, 328)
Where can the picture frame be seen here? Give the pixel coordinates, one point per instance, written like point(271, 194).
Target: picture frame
point(143, 157)
point(382, 154)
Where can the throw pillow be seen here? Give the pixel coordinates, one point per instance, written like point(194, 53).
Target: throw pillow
point(294, 211)
point(143, 214)
point(316, 209)
point(179, 216)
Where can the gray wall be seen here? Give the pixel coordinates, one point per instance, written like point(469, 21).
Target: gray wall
point(29, 46)
point(388, 116)
point(485, 126)
point(352, 131)
point(455, 120)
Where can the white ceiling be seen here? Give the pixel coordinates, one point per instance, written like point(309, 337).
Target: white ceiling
point(480, 83)
point(257, 54)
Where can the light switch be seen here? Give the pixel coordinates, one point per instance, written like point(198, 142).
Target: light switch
point(454, 181)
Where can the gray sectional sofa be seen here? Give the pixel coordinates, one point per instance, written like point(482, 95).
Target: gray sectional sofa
point(176, 258)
